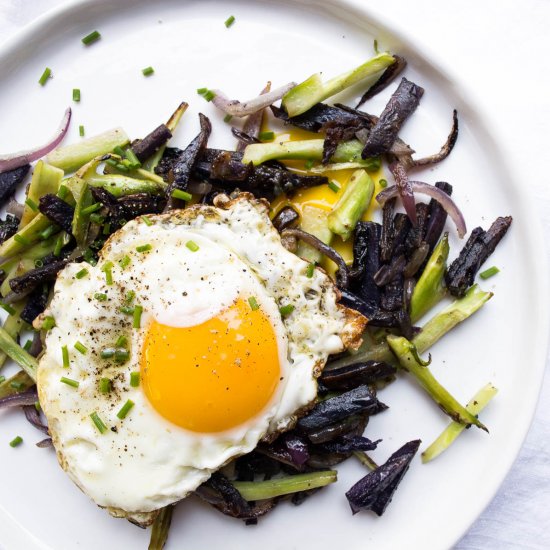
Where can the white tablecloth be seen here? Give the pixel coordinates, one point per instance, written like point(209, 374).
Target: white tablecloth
point(499, 50)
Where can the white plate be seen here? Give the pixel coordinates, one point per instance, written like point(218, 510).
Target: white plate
point(189, 47)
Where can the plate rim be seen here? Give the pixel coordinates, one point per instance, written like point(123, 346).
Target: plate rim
point(17, 534)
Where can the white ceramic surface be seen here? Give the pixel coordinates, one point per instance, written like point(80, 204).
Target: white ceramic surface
point(189, 48)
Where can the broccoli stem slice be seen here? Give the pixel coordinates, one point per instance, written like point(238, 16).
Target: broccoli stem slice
point(261, 490)
point(160, 529)
point(14, 351)
point(431, 288)
point(312, 91)
point(352, 204)
point(454, 429)
point(409, 360)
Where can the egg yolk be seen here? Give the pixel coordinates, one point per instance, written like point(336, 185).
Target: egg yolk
point(213, 376)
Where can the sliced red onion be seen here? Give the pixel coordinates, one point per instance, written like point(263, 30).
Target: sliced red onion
point(404, 189)
point(433, 192)
point(27, 397)
point(253, 124)
point(33, 416)
point(15, 160)
point(15, 208)
point(45, 443)
point(237, 108)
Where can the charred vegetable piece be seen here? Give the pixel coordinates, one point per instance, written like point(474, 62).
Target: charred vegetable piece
point(375, 491)
point(248, 466)
point(8, 227)
point(454, 429)
point(385, 80)
point(290, 448)
point(236, 504)
point(183, 167)
point(325, 413)
point(17, 383)
point(352, 204)
point(404, 189)
point(312, 91)
point(151, 143)
point(287, 217)
point(13, 350)
point(366, 262)
point(39, 275)
point(36, 303)
point(160, 529)
point(57, 210)
point(10, 180)
point(430, 288)
point(410, 361)
point(352, 425)
point(350, 376)
point(348, 444)
point(377, 317)
point(436, 216)
point(477, 249)
point(401, 105)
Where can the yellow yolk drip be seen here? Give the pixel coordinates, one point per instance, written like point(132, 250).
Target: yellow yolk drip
point(214, 376)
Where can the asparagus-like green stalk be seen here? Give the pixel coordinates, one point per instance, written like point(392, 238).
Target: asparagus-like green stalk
point(309, 149)
point(45, 179)
point(13, 325)
point(409, 360)
point(83, 199)
point(365, 459)
point(261, 490)
point(36, 252)
point(454, 429)
point(314, 220)
point(431, 332)
point(352, 204)
point(303, 96)
point(17, 383)
point(159, 531)
point(71, 157)
point(430, 288)
point(373, 165)
point(119, 185)
point(25, 237)
point(14, 351)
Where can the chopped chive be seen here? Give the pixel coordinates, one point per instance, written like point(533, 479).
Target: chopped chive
point(107, 267)
point(69, 382)
point(97, 218)
point(286, 310)
point(127, 310)
point(147, 221)
point(130, 295)
point(37, 406)
point(138, 310)
point(126, 408)
point(121, 355)
point(65, 355)
point(107, 353)
point(122, 167)
point(93, 208)
point(119, 151)
point(91, 38)
point(59, 242)
point(45, 75)
point(144, 248)
point(183, 195)
point(48, 323)
point(32, 205)
point(76, 94)
point(148, 71)
point(63, 191)
point(229, 21)
point(209, 95)
point(47, 233)
point(227, 118)
point(333, 187)
point(383, 183)
point(98, 422)
point(253, 303)
point(121, 341)
point(16, 441)
point(2, 379)
point(81, 131)
point(310, 271)
point(8, 308)
point(21, 240)
point(80, 347)
point(192, 245)
point(17, 385)
point(100, 296)
point(89, 256)
point(104, 385)
point(202, 91)
point(28, 345)
point(106, 228)
point(489, 272)
point(124, 262)
point(82, 273)
point(134, 379)
point(38, 263)
point(309, 164)
point(266, 136)
point(111, 162)
point(375, 46)
point(131, 157)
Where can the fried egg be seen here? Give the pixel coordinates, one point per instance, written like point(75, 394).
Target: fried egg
point(195, 336)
